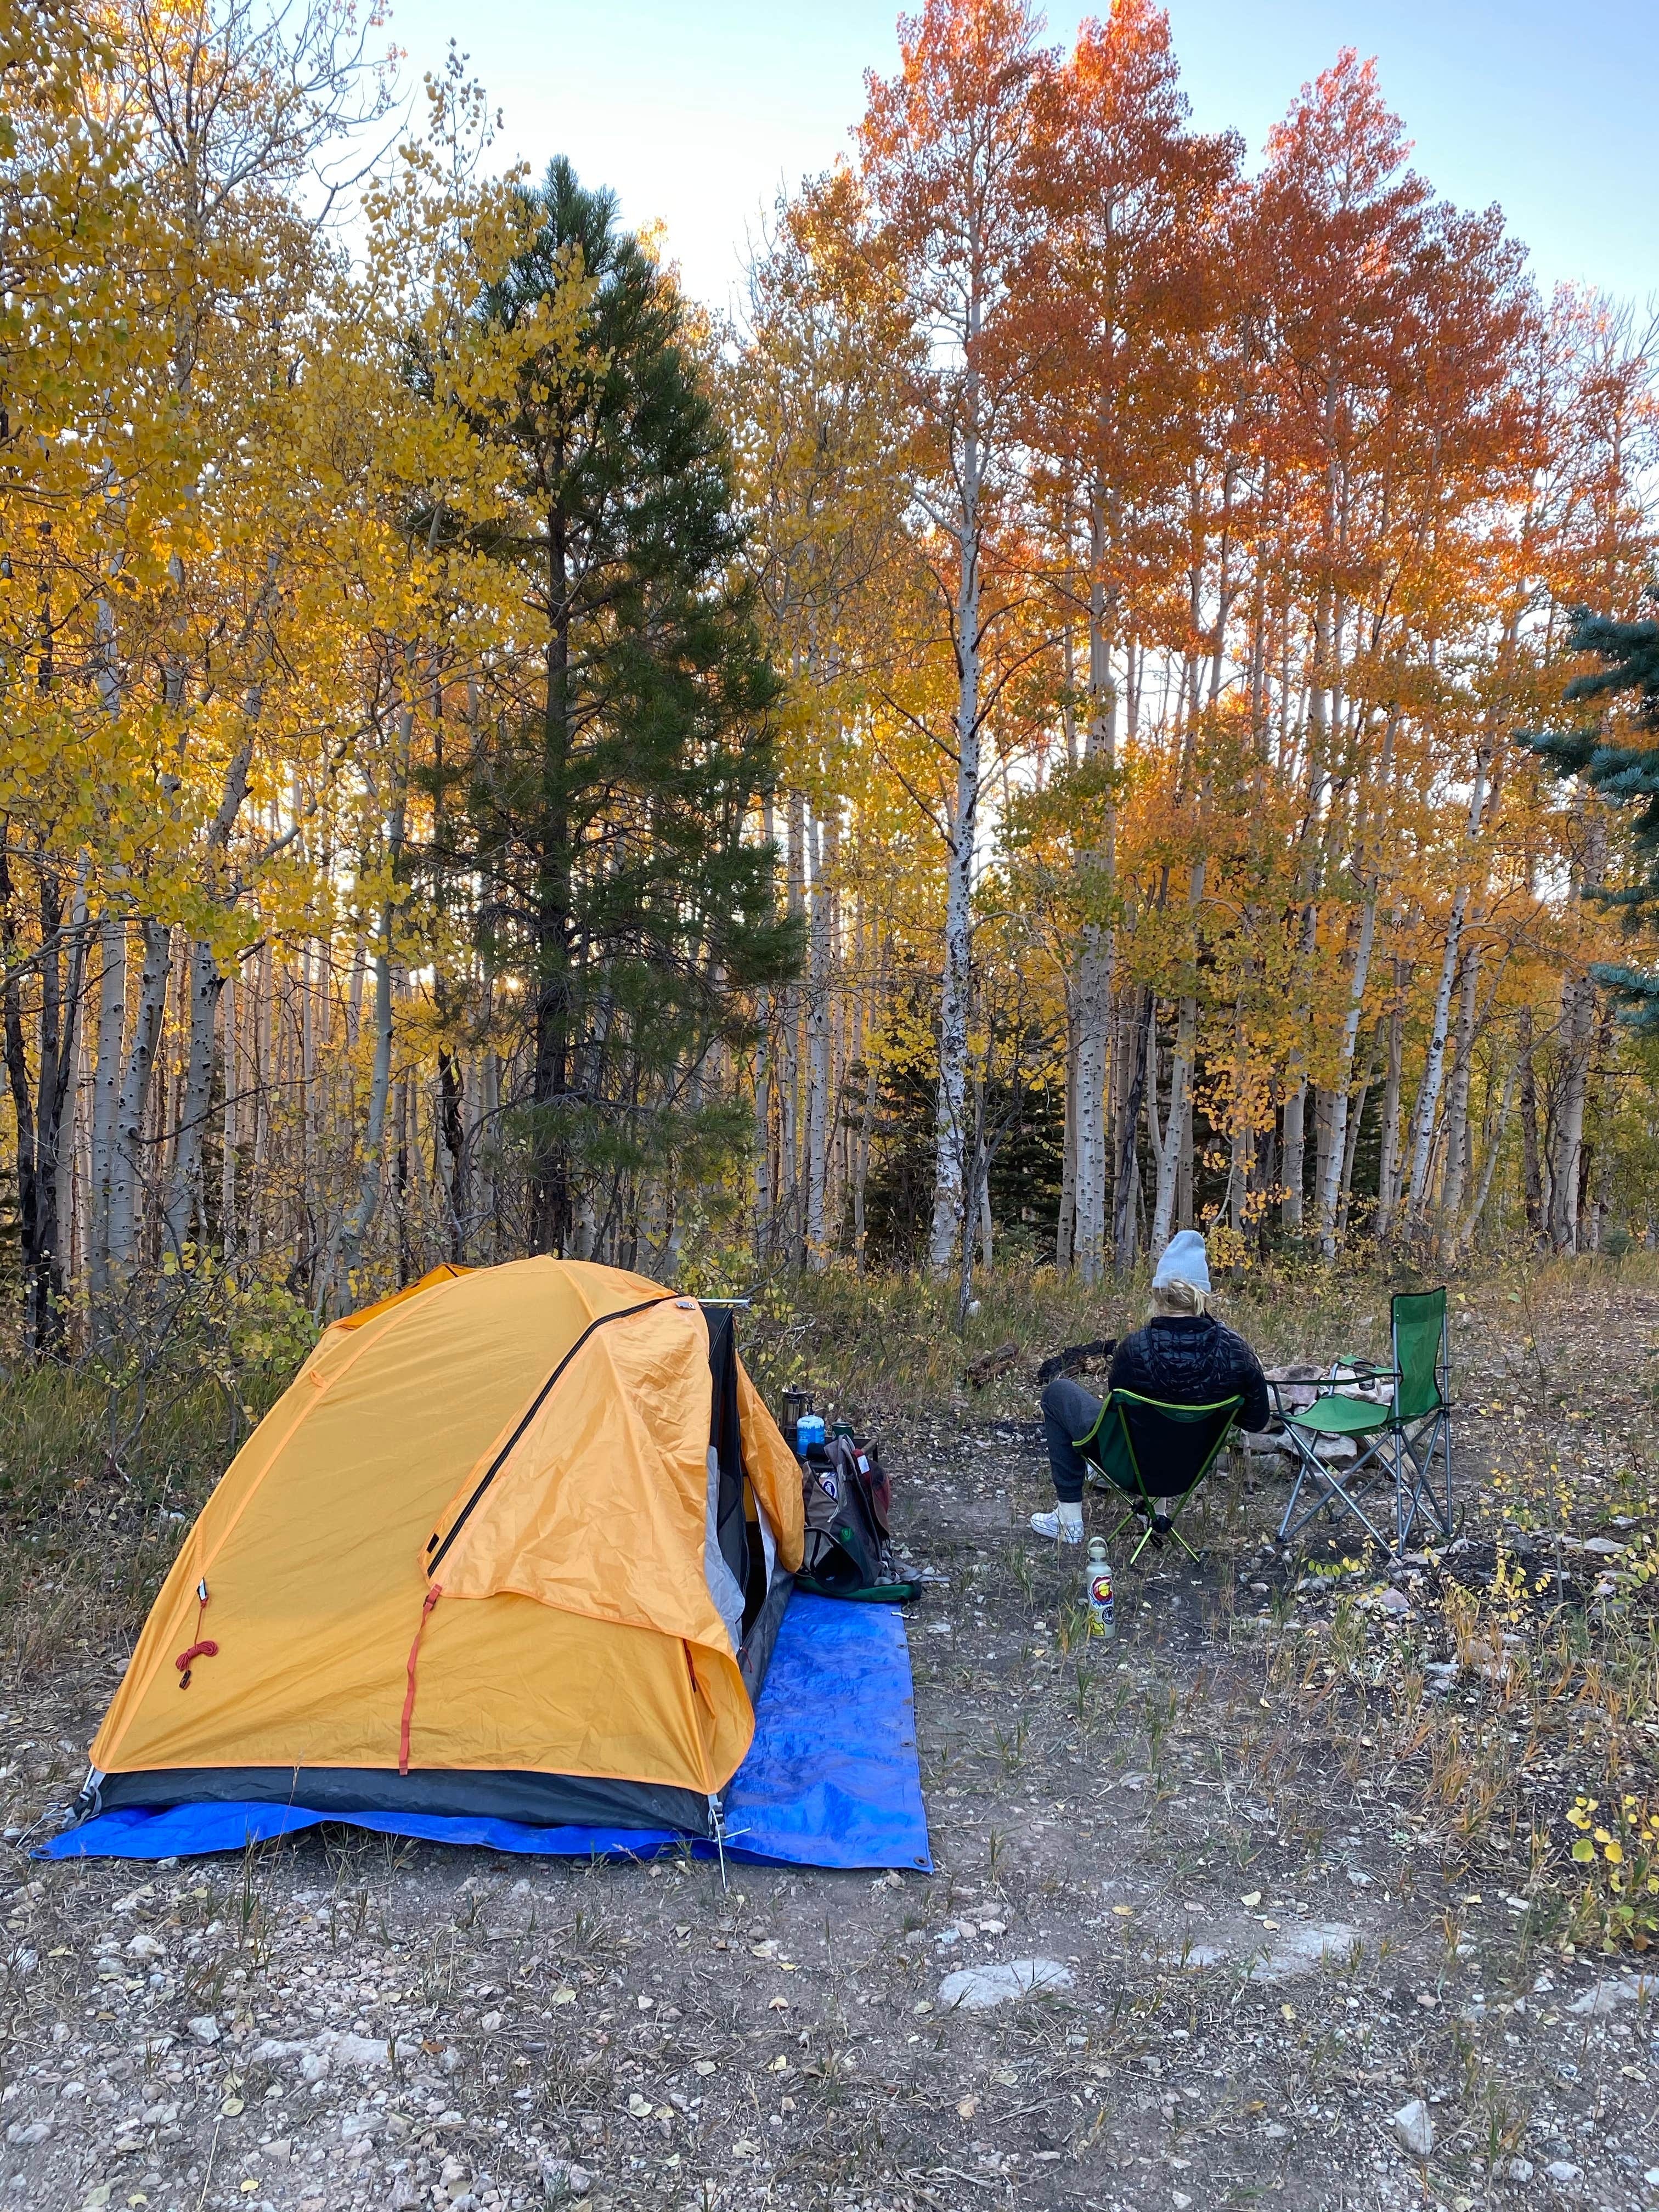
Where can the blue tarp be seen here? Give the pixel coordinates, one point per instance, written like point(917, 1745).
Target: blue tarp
point(831, 1779)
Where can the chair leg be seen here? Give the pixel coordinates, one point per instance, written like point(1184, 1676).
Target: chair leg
point(1145, 1539)
point(1184, 1545)
point(1305, 1460)
point(1421, 1463)
point(1332, 1493)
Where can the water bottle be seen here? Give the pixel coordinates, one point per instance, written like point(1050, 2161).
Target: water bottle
point(1102, 1616)
point(809, 1430)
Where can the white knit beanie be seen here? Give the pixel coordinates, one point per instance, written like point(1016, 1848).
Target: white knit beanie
point(1185, 1260)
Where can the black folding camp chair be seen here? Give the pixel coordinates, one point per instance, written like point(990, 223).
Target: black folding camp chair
point(1150, 1450)
point(1405, 1438)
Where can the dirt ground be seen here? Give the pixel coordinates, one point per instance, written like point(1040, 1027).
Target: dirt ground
point(1288, 1855)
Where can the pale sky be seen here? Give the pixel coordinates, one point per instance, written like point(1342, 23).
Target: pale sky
point(698, 114)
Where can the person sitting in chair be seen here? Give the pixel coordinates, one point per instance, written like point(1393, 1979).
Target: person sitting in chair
point(1183, 1357)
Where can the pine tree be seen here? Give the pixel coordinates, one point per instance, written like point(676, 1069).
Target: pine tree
point(611, 803)
point(1624, 768)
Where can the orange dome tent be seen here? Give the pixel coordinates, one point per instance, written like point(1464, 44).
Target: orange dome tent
point(515, 1544)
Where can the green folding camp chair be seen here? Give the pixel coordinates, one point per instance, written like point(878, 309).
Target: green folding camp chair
point(1406, 1436)
point(1152, 1450)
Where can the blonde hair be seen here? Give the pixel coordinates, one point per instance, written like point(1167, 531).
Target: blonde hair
point(1178, 1300)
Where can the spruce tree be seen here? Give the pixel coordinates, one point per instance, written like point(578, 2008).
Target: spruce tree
point(1622, 766)
point(610, 811)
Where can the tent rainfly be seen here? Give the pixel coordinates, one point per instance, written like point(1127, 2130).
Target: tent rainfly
point(514, 1544)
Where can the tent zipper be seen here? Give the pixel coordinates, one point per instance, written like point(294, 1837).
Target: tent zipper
point(623, 1313)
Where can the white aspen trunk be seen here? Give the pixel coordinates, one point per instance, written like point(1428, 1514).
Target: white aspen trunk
point(491, 1087)
point(1326, 1198)
point(950, 1127)
point(1421, 1144)
point(307, 1074)
point(1321, 1124)
point(1387, 1173)
point(72, 1047)
point(233, 1120)
point(259, 1026)
point(184, 1183)
point(1093, 1007)
point(170, 1092)
point(105, 1092)
point(355, 995)
point(159, 1126)
point(359, 1217)
point(1175, 1146)
point(1428, 1096)
point(1577, 1028)
point(84, 1165)
point(765, 1213)
point(835, 1164)
point(1166, 1161)
point(1090, 1143)
point(817, 1054)
point(1065, 1224)
point(1293, 1157)
point(128, 1164)
point(1532, 1164)
point(1350, 1145)
point(789, 1221)
point(1458, 1101)
point(762, 1138)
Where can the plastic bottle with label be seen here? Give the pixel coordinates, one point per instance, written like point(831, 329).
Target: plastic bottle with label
point(1097, 1583)
point(809, 1430)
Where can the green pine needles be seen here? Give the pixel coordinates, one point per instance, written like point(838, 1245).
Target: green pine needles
point(623, 900)
point(1624, 768)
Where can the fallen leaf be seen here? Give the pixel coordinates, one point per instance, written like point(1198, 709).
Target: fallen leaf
point(231, 2106)
point(566, 1996)
point(1124, 1911)
point(705, 2066)
point(967, 2107)
point(1250, 1900)
point(640, 2107)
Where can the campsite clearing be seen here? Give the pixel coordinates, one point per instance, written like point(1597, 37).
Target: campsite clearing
point(1267, 1896)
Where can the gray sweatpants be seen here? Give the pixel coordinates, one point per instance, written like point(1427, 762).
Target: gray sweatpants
point(1068, 1411)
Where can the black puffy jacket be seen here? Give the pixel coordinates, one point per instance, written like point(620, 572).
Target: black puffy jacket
point(1192, 1361)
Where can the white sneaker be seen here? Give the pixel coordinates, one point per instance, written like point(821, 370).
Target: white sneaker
point(1061, 1526)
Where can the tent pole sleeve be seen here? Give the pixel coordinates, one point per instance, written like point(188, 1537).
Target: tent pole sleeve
point(432, 1596)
